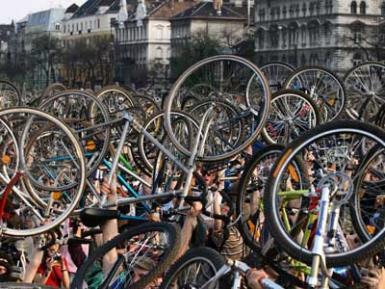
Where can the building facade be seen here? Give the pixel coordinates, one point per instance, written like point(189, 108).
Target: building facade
point(92, 18)
point(6, 34)
point(144, 42)
point(217, 20)
point(337, 34)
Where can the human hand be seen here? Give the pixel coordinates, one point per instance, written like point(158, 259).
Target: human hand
point(371, 277)
point(254, 277)
point(110, 189)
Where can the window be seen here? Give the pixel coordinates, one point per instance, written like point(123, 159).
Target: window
point(159, 32)
point(311, 8)
point(357, 59)
point(328, 32)
point(274, 37)
point(291, 11)
point(77, 26)
point(363, 8)
point(284, 12)
point(304, 10)
point(353, 7)
point(57, 27)
point(284, 36)
point(293, 34)
point(314, 33)
point(357, 30)
point(383, 9)
point(159, 53)
point(318, 8)
point(382, 35)
point(304, 35)
point(98, 23)
point(260, 38)
point(329, 6)
point(262, 14)
point(303, 59)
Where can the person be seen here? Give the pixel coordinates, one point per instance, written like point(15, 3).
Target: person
point(254, 278)
point(48, 267)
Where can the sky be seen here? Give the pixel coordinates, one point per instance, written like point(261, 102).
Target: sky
point(18, 9)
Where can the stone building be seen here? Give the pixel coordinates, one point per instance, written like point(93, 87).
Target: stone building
point(92, 18)
point(143, 41)
point(337, 34)
point(6, 33)
point(225, 22)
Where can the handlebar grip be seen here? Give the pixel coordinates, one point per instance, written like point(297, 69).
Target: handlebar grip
point(268, 284)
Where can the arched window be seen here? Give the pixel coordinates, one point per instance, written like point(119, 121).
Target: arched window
point(303, 59)
point(357, 59)
point(353, 7)
point(328, 31)
point(304, 9)
point(363, 7)
point(261, 38)
point(274, 36)
point(284, 12)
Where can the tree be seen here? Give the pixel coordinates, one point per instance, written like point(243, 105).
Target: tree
point(45, 57)
point(199, 46)
point(89, 61)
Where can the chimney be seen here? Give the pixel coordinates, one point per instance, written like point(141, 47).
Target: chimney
point(218, 6)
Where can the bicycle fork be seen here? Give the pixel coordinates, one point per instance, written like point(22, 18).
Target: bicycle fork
point(319, 259)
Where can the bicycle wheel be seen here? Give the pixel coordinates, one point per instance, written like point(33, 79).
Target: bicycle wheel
point(194, 269)
point(323, 86)
point(292, 114)
point(230, 77)
point(365, 90)
point(181, 123)
point(52, 90)
point(331, 150)
point(9, 94)
point(88, 118)
point(144, 252)
point(252, 188)
point(276, 74)
point(116, 99)
point(367, 210)
point(230, 127)
point(22, 215)
point(16, 285)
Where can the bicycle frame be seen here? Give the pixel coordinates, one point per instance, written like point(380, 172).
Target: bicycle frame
point(188, 169)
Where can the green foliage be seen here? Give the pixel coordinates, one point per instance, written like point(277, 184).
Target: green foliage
point(200, 46)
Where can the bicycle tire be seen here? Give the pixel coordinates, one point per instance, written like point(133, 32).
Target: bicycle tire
point(360, 112)
point(171, 252)
point(244, 183)
point(363, 186)
point(274, 223)
point(266, 69)
point(45, 105)
point(212, 257)
point(306, 100)
point(81, 166)
point(340, 92)
point(141, 139)
point(261, 110)
point(16, 285)
point(16, 97)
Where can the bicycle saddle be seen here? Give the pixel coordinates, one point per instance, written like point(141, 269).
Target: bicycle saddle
point(92, 217)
